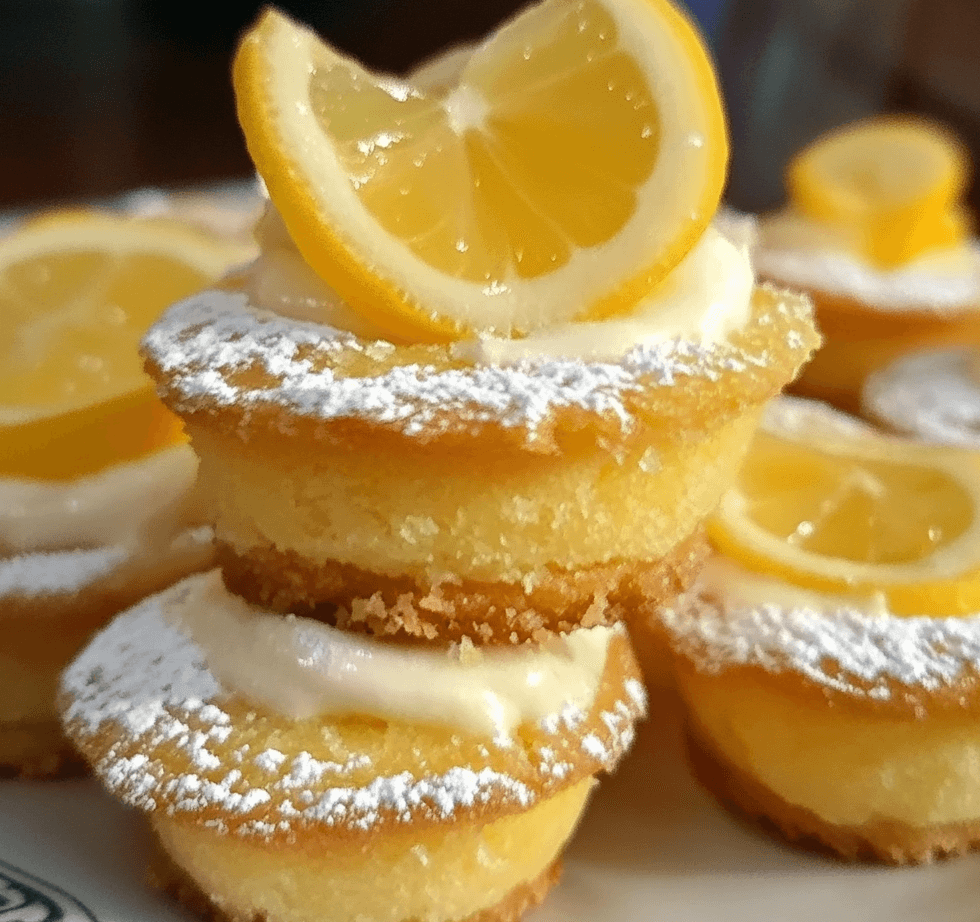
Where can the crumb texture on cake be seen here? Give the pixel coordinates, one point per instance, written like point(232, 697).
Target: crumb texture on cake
point(486, 613)
point(456, 871)
point(460, 517)
point(848, 768)
point(166, 875)
point(163, 735)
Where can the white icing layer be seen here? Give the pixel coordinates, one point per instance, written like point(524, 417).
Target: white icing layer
point(934, 395)
point(703, 300)
point(127, 504)
point(301, 668)
point(854, 646)
point(804, 254)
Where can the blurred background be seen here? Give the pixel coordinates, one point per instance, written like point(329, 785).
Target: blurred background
point(102, 96)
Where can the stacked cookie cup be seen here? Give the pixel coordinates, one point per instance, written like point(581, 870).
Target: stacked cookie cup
point(438, 496)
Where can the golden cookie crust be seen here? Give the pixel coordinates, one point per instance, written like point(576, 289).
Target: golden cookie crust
point(488, 613)
point(885, 842)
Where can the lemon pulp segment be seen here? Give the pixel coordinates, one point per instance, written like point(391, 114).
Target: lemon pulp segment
point(73, 321)
point(78, 290)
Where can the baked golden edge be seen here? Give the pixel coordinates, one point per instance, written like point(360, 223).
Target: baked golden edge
point(885, 841)
point(488, 613)
point(165, 875)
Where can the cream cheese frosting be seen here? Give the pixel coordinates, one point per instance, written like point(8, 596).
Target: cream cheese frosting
point(706, 297)
point(301, 668)
point(703, 300)
point(794, 250)
point(123, 505)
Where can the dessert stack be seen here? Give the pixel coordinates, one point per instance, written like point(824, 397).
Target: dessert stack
point(459, 422)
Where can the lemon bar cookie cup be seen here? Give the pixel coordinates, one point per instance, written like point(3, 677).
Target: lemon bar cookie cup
point(411, 805)
point(830, 688)
point(869, 319)
point(97, 505)
point(877, 236)
point(399, 490)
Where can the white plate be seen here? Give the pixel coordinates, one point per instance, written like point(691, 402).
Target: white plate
point(652, 848)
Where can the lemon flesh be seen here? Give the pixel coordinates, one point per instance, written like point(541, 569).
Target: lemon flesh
point(77, 292)
point(862, 516)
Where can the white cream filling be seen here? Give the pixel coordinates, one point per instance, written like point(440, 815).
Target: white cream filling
point(301, 668)
point(705, 298)
point(800, 252)
point(125, 505)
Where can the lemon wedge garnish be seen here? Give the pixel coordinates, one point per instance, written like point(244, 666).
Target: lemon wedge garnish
point(561, 170)
point(896, 179)
point(856, 514)
point(77, 291)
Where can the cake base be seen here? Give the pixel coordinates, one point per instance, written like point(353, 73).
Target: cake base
point(165, 875)
point(883, 841)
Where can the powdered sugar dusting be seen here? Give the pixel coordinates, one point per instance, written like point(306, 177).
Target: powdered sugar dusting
point(58, 572)
point(209, 345)
point(147, 681)
point(914, 289)
point(872, 656)
point(934, 395)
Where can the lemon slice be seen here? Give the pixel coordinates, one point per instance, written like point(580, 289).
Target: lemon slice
point(858, 513)
point(559, 170)
point(898, 179)
point(896, 241)
point(77, 291)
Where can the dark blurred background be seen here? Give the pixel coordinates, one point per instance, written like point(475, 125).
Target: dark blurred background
point(101, 96)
